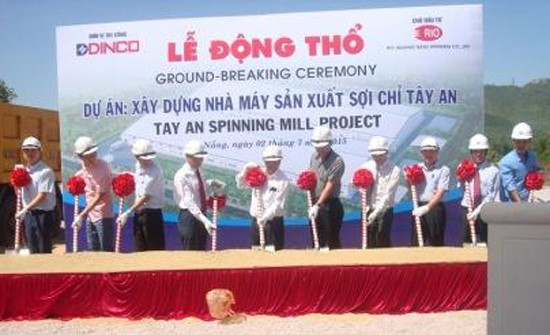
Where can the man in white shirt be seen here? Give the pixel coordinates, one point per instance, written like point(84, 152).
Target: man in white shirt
point(190, 196)
point(382, 193)
point(148, 220)
point(485, 187)
point(431, 210)
point(273, 194)
point(38, 199)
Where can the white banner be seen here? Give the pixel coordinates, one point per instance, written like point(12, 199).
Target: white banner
point(241, 83)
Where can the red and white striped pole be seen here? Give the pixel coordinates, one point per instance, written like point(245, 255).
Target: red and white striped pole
point(469, 202)
point(18, 206)
point(260, 213)
point(364, 220)
point(214, 223)
point(416, 218)
point(531, 197)
point(75, 229)
point(313, 225)
point(119, 225)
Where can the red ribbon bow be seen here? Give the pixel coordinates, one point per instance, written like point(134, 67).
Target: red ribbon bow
point(363, 178)
point(76, 185)
point(20, 177)
point(124, 184)
point(307, 180)
point(414, 174)
point(466, 170)
point(255, 177)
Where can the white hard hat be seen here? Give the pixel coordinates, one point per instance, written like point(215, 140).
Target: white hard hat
point(429, 143)
point(272, 153)
point(195, 148)
point(321, 137)
point(522, 131)
point(142, 149)
point(31, 143)
point(378, 145)
point(478, 142)
point(84, 146)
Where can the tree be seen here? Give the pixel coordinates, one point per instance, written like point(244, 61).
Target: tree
point(7, 94)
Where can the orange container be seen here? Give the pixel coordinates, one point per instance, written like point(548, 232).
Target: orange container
point(17, 123)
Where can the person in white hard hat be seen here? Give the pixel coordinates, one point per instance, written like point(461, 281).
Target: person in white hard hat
point(38, 199)
point(517, 164)
point(148, 220)
point(327, 210)
point(97, 175)
point(485, 187)
point(190, 195)
point(273, 193)
point(381, 195)
point(431, 210)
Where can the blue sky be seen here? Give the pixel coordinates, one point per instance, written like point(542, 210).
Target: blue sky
point(516, 36)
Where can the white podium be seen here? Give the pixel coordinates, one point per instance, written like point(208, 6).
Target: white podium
point(518, 268)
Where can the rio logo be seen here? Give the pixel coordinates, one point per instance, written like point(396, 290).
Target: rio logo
point(428, 32)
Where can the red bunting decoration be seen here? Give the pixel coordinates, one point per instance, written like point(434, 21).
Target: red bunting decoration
point(363, 178)
point(307, 180)
point(123, 184)
point(222, 200)
point(414, 174)
point(76, 185)
point(255, 177)
point(534, 181)
point(466, 170)
point(20, 177)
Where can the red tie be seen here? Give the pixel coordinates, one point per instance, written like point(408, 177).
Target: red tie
point(202, 195)
point(477, 189)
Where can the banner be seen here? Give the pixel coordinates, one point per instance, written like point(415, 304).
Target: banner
point(242, 83)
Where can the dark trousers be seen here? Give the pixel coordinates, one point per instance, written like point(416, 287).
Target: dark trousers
point(329, 222)
point(274, 232)
point(433, 226)
point(38, 231)
point(192, 231)
point(148, 229)
point(101, 235)
point(480, 226)
point(379, 231)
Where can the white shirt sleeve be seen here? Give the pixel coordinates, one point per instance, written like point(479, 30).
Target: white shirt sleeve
point(46, 182)
point(444, 179)
point(390, 189)
point(493, 191)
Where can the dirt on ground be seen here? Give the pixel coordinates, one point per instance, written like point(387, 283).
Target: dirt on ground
point(450, 323)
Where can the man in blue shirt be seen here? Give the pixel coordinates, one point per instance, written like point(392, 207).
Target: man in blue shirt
point(516, 164)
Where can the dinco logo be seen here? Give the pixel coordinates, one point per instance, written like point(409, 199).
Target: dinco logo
point(102, 48)
point(428, 32)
